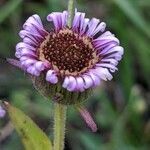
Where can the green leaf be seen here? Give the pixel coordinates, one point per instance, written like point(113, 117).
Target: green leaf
point(32, 136)
point(7, 9)
point(133, 13)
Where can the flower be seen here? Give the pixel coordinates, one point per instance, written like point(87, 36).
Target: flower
point(80, 56)
point(2, 112)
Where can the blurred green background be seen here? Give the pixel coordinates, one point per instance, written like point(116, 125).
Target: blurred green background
point(121, 108)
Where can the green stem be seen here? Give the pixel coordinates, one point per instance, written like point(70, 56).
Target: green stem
point(71, 12)
point(59, 126)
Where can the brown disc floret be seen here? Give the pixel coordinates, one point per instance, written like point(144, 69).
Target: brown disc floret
point(68, 53)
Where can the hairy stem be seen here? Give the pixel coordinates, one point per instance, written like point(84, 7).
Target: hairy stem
point(71, 12)
point(59, 126)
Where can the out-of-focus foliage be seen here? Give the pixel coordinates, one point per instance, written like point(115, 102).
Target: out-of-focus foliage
point(120, 107)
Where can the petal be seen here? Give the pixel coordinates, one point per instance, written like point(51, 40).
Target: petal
point(32, 35)
point(27, 52)
point(40, 65)
point(111, 67)
point(100, 28)
point(32, 70)
point(59, 19)
point(34, 19)
point(103, 73)
point(55, 18)
point(88, 82)
point(109, 60)
point(29, 62)
point(94, 26)
point(66, 82)
point(34, 24)
point(51, 77)
point(22, 45)
point(72, 84)
point(105, 48)
point(85, 24)
point(107, 33)
point(116, 50)
point(30, 41)
point(2, 112)
point(80, 84)
point(79, 23)
point(64, 18)
point(95, 78)
point(23, 58)
point(102, 41)
point(76, 20)
point(34, 38)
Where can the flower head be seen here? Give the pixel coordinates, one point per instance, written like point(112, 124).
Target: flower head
point(77, 58)
point(80, 56)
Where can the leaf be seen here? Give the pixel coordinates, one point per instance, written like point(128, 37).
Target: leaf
point(6, 10)
point(133, 14)
point(32, 136)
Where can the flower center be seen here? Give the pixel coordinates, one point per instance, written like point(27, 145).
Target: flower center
point(68, 53)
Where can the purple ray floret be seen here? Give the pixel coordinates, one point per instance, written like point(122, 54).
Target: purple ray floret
point(2, 112)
